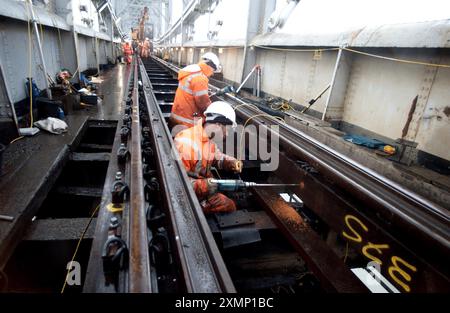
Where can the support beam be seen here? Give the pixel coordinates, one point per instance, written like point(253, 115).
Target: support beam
point(97, 54)
point(255, 13)
point(76, 43)
point(90, 157)
point(93, 146)
point(60, 229)
point(180, 54)
point(80, 191)
point(7, 97)
point(334, 107)
point(41, 53)
point(424, 93)
point(113, 56)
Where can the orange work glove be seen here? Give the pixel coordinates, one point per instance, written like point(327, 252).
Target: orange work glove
point(219, 203)
point(204, 187)
point(231, 164)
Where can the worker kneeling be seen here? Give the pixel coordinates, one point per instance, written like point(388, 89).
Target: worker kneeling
point(199, 153)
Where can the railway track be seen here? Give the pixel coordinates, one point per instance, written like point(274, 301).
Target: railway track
point(343, 228)
point(348, 215)
point(164, 243)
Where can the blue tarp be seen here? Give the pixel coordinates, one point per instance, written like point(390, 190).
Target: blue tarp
point(365, 141)
point(84, 81)
point(35, 91)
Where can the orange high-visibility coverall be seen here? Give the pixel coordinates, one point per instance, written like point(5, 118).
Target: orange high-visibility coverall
point(191, 98)
point(145, 52)
point(127, 52)
point(198, 154)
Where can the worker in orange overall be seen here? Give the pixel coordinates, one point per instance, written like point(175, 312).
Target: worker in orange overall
point(191, 97)
point(145, 49)
point(141, 48)
point(199, 153)
point(128, 52)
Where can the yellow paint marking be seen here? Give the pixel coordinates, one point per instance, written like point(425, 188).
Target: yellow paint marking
point(356, 236)
point(376, 247)
point(115, 208)
point(396, 269)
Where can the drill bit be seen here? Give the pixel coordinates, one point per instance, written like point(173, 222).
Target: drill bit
point(271, 185)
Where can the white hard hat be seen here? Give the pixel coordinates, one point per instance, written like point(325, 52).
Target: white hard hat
point(221, 112)
point(214, 59)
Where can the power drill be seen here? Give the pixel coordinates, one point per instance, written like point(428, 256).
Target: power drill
point(238, 184)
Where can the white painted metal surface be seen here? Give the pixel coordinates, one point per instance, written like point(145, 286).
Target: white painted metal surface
point(226, 23)
point(299, 76)
point(373, 94)
point(433, 133)
point(383, 23)
point(58, 46)
point(369, 93)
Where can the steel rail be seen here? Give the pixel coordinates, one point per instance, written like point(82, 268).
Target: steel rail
point(404, 209)
point(139, 270)
point(362, 183)
point(201, 263)
point(332, 272)
point(408, 216)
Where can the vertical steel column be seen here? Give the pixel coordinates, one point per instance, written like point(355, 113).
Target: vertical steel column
point(41, 53)
point(334, 106)
point(180, 55)
point(112, 39)
point(77, 50)
point(75, 41)
point(97, 52)
point(8, 96)
point(256, 10)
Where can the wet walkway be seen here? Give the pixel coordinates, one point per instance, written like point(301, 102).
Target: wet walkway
point(32, 164)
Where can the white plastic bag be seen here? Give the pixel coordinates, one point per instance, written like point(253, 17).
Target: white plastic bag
point(52, 125)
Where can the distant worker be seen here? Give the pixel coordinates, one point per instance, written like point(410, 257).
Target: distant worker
point(127, 52)
point(141, 49)
point(191, 98)
point(145, 49)
point(199, 153)
point(166, 55)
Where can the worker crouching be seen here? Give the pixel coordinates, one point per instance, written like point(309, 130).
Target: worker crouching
point(192, 98)
point(199, 154)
